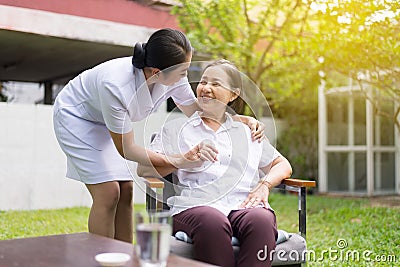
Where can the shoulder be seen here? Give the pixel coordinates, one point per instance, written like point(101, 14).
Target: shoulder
point(115, 63)
point(240, 134)
point(116, 71)
point(237, 126)
point(118, 77)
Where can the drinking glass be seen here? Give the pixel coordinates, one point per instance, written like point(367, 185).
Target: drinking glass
point(153, 231)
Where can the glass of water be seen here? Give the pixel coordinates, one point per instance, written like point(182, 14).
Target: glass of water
point(153, 231)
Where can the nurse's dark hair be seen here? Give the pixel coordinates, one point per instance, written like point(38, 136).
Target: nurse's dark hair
point(235, 82)
point(165, 48)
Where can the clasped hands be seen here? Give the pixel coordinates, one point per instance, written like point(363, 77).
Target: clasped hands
point(194, 158)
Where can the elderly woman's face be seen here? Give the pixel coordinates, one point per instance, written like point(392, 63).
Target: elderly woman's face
point(214, 88)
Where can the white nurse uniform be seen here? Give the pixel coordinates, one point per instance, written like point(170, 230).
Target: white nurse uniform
point(106, 98)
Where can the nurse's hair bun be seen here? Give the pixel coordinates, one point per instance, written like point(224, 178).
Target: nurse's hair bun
point(139, 55)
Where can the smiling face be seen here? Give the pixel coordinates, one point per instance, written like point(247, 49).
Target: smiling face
point(215, 89)
point(175, 73)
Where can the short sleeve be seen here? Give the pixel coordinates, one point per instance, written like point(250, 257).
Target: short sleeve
point(269, 154)
point(183, 93)
point(114, 111)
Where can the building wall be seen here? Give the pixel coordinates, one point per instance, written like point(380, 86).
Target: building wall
point(46, 23)
point(32, 166)
point(121, 11)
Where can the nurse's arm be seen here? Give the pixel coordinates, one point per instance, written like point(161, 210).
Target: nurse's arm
point(188, 110)
point(150, 171)
point(125, 144)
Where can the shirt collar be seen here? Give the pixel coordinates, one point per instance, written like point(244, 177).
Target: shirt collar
point(229, 122)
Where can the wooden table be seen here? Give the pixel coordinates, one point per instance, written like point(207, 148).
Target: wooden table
point(71, 250)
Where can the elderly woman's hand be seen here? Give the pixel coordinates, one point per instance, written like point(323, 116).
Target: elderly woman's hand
point(259, 195)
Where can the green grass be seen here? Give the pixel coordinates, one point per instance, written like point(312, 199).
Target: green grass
point(18, 224)
point(363, 227)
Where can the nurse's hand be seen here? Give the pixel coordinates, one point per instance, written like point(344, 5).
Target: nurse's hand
point(257, 129)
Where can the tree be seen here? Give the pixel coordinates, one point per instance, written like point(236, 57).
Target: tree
point(361, 40)
point(263, 38)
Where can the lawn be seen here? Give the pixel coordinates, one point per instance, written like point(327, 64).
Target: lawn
point(345, 228)
point(340, 232)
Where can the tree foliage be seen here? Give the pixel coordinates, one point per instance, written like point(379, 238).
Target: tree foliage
point(361, 40)
point(263, 38)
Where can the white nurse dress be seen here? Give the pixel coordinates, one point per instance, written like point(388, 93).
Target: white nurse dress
point(106, 98)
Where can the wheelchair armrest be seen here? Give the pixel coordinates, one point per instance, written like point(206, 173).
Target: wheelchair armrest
point(298, 183)
point(157, 183)
point(154, 193)
point(154, 182)
point(300, 186)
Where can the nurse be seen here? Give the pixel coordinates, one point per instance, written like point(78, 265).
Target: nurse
point(92, 123)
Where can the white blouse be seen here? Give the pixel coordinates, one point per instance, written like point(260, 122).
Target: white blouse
point(224, 184)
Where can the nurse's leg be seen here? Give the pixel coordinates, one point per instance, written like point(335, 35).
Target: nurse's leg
point(102, 214)
point(123, 216)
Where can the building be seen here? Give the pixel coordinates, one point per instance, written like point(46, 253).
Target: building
point(49, 42)
point(359, 151)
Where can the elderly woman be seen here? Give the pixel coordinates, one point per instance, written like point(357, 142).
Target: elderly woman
point(225, 197)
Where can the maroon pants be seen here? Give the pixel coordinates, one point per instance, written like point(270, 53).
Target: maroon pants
point(211, 232)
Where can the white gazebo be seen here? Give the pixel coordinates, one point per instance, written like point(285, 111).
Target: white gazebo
point(359, 151)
